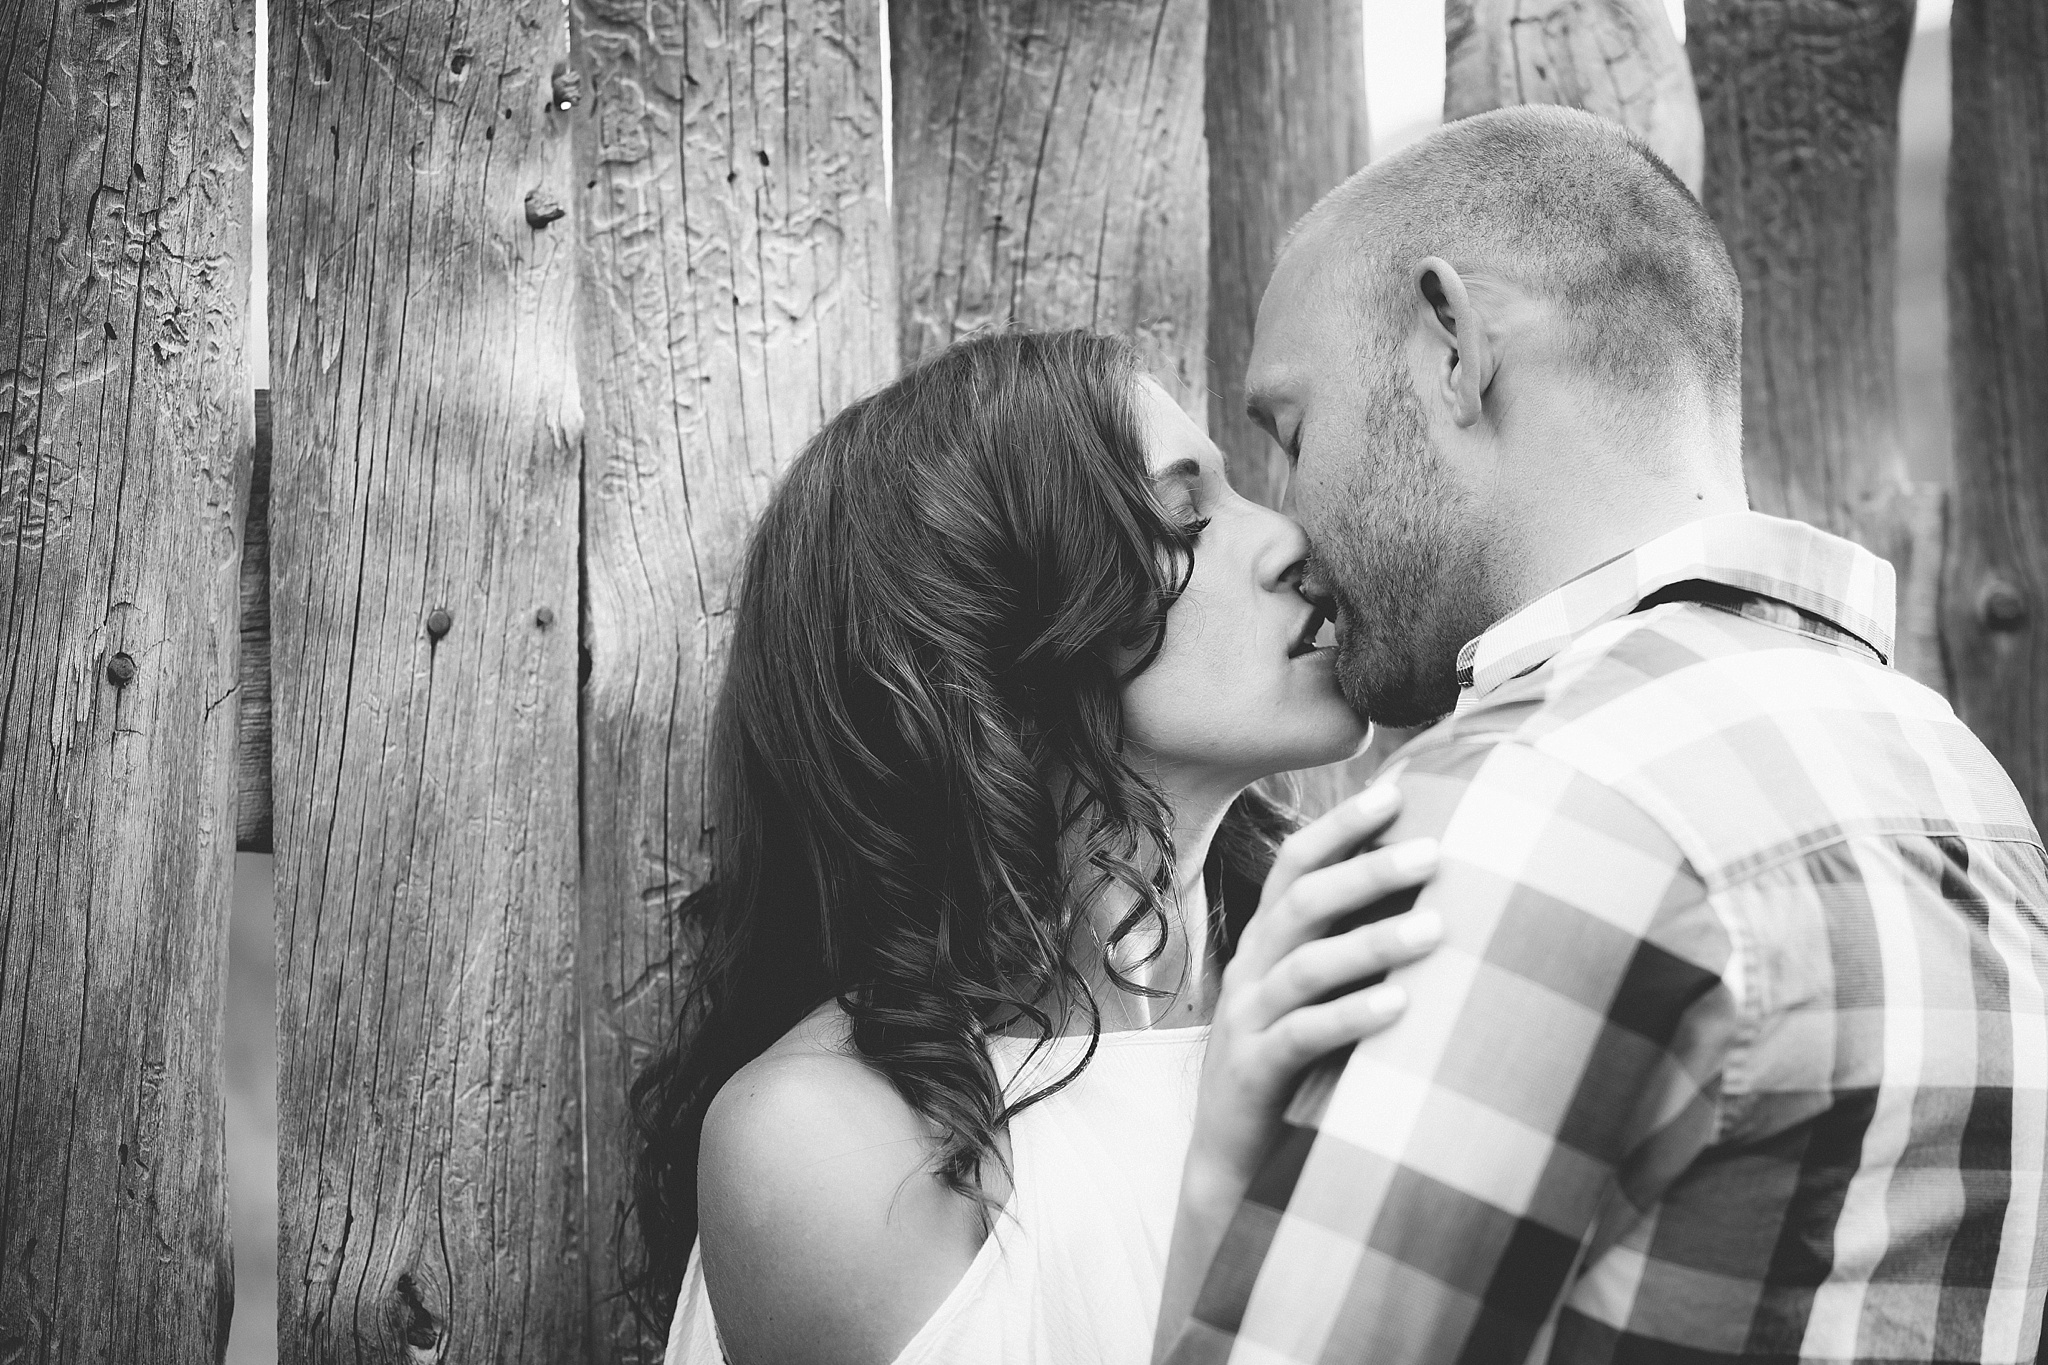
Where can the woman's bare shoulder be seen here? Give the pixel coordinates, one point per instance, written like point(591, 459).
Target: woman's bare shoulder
point(825, 1236)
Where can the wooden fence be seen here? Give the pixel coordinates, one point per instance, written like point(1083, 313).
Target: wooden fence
point(552, 305)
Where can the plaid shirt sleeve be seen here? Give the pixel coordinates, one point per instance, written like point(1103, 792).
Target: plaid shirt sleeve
point(1559, 1065)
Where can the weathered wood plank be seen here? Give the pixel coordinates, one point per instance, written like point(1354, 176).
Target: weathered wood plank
point(423, 547)
point(1993, 612)
point(252, 741)
point(1284, 110)
point(1800, 104)
point(124, 436)
point(738, 287)
point(1050, 171)
point(1616, 58)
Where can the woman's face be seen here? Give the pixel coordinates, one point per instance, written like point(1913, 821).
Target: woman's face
point(1239, 689)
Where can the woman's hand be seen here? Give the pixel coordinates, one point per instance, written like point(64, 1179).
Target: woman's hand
point(1292, 994)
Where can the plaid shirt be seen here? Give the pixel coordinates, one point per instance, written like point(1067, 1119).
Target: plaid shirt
point(1736, 1048)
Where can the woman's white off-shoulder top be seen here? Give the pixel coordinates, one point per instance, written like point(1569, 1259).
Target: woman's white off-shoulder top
point(1071, 1274)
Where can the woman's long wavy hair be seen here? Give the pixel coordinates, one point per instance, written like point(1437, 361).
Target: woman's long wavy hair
point(919, 776)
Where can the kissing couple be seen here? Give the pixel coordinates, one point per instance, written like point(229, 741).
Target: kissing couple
point(1676, 996)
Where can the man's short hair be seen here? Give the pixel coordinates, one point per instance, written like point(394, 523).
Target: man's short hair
point(1570, 206)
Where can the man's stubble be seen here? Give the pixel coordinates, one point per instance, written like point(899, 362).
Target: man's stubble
point(1403, 548)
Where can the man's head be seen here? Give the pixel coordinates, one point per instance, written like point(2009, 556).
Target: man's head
point(1512, 346)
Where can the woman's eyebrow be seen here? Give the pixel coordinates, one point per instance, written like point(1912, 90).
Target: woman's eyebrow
point(1187, 467)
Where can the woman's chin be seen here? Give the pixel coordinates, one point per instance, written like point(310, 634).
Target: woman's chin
point(1334, 738)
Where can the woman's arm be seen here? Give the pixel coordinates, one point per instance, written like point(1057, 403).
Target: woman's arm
point(825, 1237)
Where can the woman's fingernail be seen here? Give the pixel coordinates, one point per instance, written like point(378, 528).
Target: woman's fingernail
point(1419, 929)
point(1414, 857)
point(1385, 999)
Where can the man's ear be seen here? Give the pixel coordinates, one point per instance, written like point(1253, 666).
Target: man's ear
point(1468, 357)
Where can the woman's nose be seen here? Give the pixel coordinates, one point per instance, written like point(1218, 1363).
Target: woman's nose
point(1286, 555)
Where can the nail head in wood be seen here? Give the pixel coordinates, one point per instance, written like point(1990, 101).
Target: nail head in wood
point(566, 88)
point(544, 618)
point(121, 670)
point(438, 622)
point(542, 208)
point(2002, 607)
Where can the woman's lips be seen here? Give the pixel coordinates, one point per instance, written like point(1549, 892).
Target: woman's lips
point(1310, 637)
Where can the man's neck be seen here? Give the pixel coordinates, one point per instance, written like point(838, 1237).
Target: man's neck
point(1571, 535)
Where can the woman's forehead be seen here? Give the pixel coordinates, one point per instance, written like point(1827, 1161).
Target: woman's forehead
point(1175, 448)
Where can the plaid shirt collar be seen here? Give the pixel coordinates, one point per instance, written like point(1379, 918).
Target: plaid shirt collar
point(1822, 575)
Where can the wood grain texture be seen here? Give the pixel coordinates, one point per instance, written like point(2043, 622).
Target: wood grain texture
point(1285, 119)
point(1286, 123)
point(1050, 171)
point(252, 742)
point(1616, 58)
point(1997, 581)
point(423, 551)
point(124, 437)
point(738, 287)
point(1800, 103)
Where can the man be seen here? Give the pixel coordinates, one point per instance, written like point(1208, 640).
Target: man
point(1736, 1049)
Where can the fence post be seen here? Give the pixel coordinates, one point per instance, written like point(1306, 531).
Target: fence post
point(252, 676)
point(125, 430)
point(1801, 108)
point(1050, 170)
point(737, 288)
point(1997, 580)
point(1285, 118)
point(423, 548)
point(1616, 58)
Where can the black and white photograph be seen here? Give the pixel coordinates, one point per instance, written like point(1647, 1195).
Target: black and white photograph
point(1023, 682)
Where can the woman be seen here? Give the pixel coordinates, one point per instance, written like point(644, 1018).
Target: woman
point(1008, 656)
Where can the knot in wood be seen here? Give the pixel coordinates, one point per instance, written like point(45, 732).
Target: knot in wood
point(2001, 606)
point(542, 208)
point(121, 670)
point(426, 1338)
point(438, 622)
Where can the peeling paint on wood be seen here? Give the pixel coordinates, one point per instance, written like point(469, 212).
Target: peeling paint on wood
point(738, 287)
point(1051, 171)
point(1996, 605)
point(425, 455)
point(125, 431)
point(1800, 104)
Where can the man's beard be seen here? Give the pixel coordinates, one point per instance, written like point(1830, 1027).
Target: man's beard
point(1403, 550)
